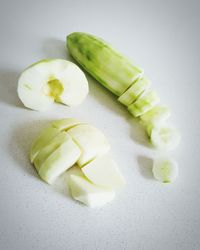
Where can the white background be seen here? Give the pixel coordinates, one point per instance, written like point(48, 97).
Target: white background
point(163, 38)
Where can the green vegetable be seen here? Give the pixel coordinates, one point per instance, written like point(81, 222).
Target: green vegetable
point(144, 103)
point(125, 80)
point(132, 93)
point(103, 62)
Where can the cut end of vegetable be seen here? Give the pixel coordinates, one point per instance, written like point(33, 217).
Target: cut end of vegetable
point(144, 103)
point(133, 92)
point(103, 171)
point(89, 194)
point(51, 80)
point(165, 137)
point(165, 170)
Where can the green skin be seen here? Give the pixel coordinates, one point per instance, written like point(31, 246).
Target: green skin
point(143, 104)
point(105, 64)
point(113, 71)
point(132, 93)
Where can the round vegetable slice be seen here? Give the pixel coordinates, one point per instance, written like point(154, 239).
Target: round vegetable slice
point(165, 170)
point(165, 137)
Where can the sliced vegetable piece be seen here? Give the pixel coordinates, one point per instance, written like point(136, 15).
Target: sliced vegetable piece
point(65, 124)
point(91, 141)
point(156, 115)
point(104, 63)
point(46, 135)
point(47, 150)
point(144, 103)
point(103, 171)
point(88, 193)
point(165, 137)
point(133, 92)
point(59, 161)
point(165, 170)
point(51, 80)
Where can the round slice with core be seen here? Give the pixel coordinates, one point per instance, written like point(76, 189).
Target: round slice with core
point(165, 170)
point(165, 137)
point(52, 80)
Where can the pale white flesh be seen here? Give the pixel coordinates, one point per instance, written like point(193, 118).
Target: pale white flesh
point(52, 80)
point(47, 150)
point(165, 137)
point(86, 192)
point(132, 93)
point(65, 156)
point(42, 140)
point(165, 170)
point(91, 141)
point(65, 124)
point(103, 171)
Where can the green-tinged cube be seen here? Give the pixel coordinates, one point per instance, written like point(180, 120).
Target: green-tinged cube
point(65, 156)
point(46, 135)
point(88, 193)
point(103, 171)
point(91, 141)
point(47, 150)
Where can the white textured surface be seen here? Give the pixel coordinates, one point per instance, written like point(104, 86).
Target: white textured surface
point(163, 37)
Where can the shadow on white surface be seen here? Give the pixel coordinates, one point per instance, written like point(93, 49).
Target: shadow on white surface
point(20, 143)
point(19, 149)
point(145, 166)
point(8, 87)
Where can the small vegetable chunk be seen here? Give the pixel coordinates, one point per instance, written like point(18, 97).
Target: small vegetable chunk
point(91, 141)
point(144, 103)
point(165, 137)
point(133, 92)
point(103, 171)
point(64, 157)
point(156, 115)
point(88, 193)
point(165, 170)
point(45, 136)
point(65, 124)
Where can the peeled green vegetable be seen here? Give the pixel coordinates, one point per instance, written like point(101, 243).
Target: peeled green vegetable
point(103, 62)
point(144, 103)
point(132, 93)
point(125, 80)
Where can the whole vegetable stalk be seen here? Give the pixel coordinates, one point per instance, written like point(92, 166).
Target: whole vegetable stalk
point(127, 82)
